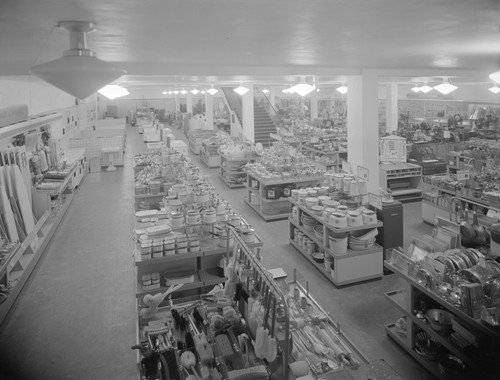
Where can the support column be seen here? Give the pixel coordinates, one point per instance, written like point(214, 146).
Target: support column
point(272, 96)
point(314, 106)
point(392, 113)
point(247, 114)
point(209, 111)
point(362, 125)
point(189, 103)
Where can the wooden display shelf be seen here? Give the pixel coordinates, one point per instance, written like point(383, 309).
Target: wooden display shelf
point(24, 259)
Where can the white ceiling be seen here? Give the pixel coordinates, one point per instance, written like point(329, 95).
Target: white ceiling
point(198, 42)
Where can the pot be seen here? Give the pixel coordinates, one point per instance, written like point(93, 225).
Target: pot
point(175, 205)
point(338, 220)
point(247, 235)
point(193, 217)
point(354, 219)
point(176, 219)
point(369, 217)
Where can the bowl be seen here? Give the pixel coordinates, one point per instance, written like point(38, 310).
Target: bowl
point(319, 257)
point(440, 321)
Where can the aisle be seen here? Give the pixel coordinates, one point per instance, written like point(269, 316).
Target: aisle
point(75, 318)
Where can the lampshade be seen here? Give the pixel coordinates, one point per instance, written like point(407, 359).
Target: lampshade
point(183, 92)
point(78, 72)
point(495, 76)
point(425, 89)
point(302, 89)
point(212, 91)
point(113, 91)
point(342, 89)
point(415, 89)
point(445, 87)
point(241, 90)
point(194, 91)
point(494, 89)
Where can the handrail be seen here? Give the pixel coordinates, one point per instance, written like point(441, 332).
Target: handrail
point(270, 106)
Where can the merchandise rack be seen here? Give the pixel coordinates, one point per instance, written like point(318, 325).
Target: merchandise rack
point(349, 268)
point(273, 209)
point(403, 179)
point(231, 167)
point(405, 301)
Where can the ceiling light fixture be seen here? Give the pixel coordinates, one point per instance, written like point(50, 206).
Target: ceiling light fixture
point(303, 88)
point(194, 91)
point(415, 88)
point(495, 76)
point(113, 91)
point(203, 92)
point(241, 90)
point(170, 92)
point(425, 88)
point(212, 91)
point(175, 92)
point(79, 72)
point(265, 91)
point(164, 92)
point(183, 92)
point(445, 87)
point(342, 89)
point(494, 89)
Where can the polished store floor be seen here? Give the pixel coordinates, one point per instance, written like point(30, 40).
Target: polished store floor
point(76, 317)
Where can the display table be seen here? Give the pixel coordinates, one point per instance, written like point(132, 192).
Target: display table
point(264, 196)
point(327, 160)
point(403, 180)
point(231, 169)
point(348, 268)
point(209, 154)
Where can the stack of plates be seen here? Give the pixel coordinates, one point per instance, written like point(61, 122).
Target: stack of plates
point(359, 241)
point(308, 222)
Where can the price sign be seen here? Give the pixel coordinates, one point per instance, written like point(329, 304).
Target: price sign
point(315, 139)
point(363, 173)
point(375, 200)
point(446, 134)
point(463, 175)
point(346, 167)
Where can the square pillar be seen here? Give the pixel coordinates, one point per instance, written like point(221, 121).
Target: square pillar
point(209, 111)
point(362, 125)
point(248, 114)
point(314, 106)
point(392, 112)
point(189, 103)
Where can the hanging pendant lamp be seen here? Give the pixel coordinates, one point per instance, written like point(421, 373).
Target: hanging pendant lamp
point(445, 87)
point(79, 72)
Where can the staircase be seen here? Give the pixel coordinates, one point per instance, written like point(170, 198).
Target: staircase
point(263, 124)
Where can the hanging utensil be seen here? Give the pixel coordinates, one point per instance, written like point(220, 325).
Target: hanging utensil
point(272, 345)
point(260, 338)
point(481, 233)
point(466, 229)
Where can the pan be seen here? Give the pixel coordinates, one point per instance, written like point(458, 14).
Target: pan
point(481, 233)
point(466, 229)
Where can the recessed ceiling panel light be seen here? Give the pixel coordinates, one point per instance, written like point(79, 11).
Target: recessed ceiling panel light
point(241, 90)
point(303, 89)
point(212, 91)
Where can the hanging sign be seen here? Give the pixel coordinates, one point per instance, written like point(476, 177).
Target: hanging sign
point(463, 175)
point(346, 167)
point(363, 173)
point(375, 200)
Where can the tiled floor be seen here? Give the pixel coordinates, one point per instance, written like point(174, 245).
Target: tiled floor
point(75, 318)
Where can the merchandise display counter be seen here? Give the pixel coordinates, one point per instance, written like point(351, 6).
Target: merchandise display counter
point(468, 341)
point(231, 169)
point(403, 180)
point(340, 265)
point(265, 196)
point(327, 159)
point(209, 154)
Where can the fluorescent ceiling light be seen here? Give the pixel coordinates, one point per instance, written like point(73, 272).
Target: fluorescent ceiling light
point(265, 91)
point(194, 91)
point(445, 87)
point(212, 91)
point(79, 72)
point(241, 90)
point(183, 92)
point(494, 89)
point(342, 89)
point(175, 92)
point(425, 89)
point(302, 89)
point(416, 88)
point(113, 91)
point(495, 76)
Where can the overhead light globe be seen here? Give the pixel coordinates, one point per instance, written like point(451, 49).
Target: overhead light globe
point(79, 72)
point(113, 91)
point(425, 89)
point(212, 91)
point(194, 91)
point(241, 90)
point(445, 87)
point(494, 89)
point(342, 89)
point(303, 88)
point(495, 76)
